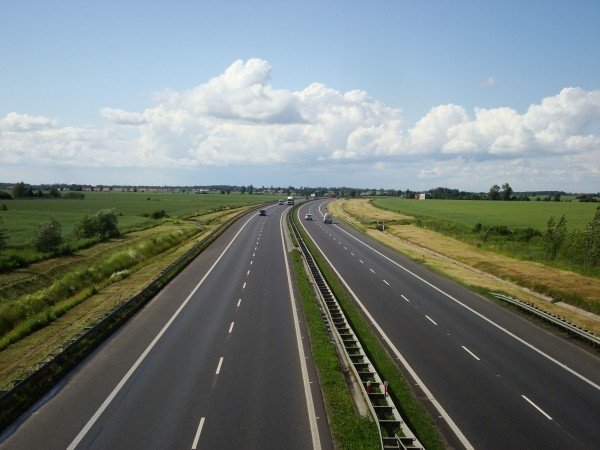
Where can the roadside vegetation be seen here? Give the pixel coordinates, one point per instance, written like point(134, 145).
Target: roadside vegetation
point(478, 267)
point(413, 412)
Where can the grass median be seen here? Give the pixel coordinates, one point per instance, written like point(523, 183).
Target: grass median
point(413, 412)
point(349, 429)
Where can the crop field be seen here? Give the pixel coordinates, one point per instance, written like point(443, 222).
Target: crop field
point(23, 215)
point(512, 214)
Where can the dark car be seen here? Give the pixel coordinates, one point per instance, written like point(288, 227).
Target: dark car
point(263, 212)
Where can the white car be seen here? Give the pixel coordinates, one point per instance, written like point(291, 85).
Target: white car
point(308, 216)
point(327, 218)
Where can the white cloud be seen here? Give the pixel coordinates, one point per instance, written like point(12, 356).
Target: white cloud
point(238, 119)
point(14, 122)
point(488, 83)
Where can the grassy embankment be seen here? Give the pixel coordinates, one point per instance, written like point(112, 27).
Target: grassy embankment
point(477, 267)
point(404, 398)
point(45, 304)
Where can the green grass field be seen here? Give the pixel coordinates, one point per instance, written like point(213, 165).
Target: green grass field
point(512, 214)
point(23, 215)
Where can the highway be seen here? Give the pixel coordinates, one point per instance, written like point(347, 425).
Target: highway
point(492, 379)
point(218, 359)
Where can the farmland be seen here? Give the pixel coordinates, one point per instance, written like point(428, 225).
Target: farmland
point(23, 215)
point(511, 214)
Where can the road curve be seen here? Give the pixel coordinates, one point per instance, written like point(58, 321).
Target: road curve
point(495, 380)
point(218, 359)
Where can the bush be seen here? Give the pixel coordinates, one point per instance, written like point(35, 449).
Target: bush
point(49, 235)
point(158, 214)
point(103, 224)
point(5, 195)
point(526, 234)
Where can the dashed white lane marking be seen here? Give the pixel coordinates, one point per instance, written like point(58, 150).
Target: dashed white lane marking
point(470, 353)
point(405, 298)
point(90, 423)
point(386, 282)
point(254, 254)
point(248, 273)
point(197, 437)
point(431, 320)
point(231, 327)
point(352, 253)
point(219, 366)
point(244, 286)
point(251, 262)
point(537, 407)
point(239, 303)
point(255, 248)
point(345, 248)
point(371, 270)
point(361, 261)
point(478, 314)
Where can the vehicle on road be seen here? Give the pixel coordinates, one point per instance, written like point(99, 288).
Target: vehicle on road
point(290, 200)
point(327, 218)
point(281, 202)
point(308, 217)
point(263, 212)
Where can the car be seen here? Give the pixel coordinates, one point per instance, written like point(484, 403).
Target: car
point(327, 218)
point(263, 212)
point(308, 216)
point(281, 202)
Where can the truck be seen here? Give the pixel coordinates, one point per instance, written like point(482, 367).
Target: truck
point(290, 200)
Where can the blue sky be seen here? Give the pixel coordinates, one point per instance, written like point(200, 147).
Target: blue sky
point(63, 63)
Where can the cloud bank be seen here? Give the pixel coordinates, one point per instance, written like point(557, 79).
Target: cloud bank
point(238, 119)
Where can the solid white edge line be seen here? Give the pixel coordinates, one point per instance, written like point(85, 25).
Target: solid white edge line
point(461, 437)
point(470, 352)
point(491, 322)
point(537, 407)
point(431, 320)
point(312, 416)
point(231, 327)
point(219, 366)
point(145, 353)
point(197, 437)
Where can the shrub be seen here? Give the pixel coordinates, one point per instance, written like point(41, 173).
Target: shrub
point(554, 236)
point(103, 224)
point(5, 195)
point(49, 235)
point(3, 234)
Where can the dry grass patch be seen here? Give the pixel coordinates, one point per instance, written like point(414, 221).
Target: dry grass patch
point(364, 211)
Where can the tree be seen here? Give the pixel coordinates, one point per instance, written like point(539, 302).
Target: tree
point(107, 223)
point(250, 189)
point(506, 191)
point(29, 192)
point(19, 189)
point(556, 197)
point(494, 192)
point(3, 234)
point(554, 236)
point(591, 238)
point(49, 235)
point(243, 190)
point(54, 193)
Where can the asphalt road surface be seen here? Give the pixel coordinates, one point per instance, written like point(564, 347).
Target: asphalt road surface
point(494, 379)
point(219, 359)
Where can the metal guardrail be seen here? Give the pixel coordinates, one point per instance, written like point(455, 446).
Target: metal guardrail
point(393, 431)
point(556, 320)
point(26, 391)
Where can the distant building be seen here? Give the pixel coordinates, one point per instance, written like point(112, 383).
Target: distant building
point(421, 197)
